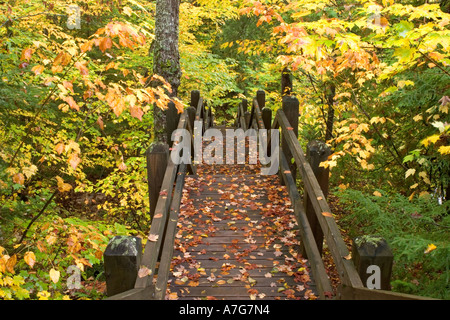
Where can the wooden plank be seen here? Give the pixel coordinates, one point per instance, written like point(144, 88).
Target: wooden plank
point(338, 248)
point(318, 269)
point(166, 257)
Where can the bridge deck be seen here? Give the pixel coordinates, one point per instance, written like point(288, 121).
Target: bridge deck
point(237, 238)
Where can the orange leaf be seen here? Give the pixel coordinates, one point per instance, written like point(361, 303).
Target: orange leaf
point(327, 214)
point(11, 263)
point(105, 43)
point(68, 85)
point(19, 178)
point(74, 160)
point(30, 258)
point(82, 68)
point(87, 46)
point(100, 122)
point(37, 69)
point(136, 112)
point(290, 128)
point(62, 186)
point(71, 102)
point(26, 54)
point(59, 148)
point(110, 65)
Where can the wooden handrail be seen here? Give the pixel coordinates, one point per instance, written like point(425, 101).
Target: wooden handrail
point(347, 271)
point(168, 247)
point(321, 278)
point(163, 228)
point(157, 229)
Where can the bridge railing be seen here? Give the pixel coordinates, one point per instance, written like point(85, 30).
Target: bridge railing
point(154, 265)
point(313, 214)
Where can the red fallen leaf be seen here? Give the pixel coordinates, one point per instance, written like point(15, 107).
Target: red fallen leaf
point(163, 193)
point(290, 128)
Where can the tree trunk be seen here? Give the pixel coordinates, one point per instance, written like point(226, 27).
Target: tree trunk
point(330, 93)
point(166, 57)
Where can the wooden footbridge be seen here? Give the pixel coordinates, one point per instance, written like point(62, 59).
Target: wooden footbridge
point(225, 231)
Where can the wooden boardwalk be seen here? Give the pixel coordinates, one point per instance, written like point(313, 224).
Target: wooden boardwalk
point(237, 238)
point(228, 232)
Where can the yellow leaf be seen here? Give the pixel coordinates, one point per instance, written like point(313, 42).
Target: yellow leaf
point(430, 248)
point(62, 186)
point(30, 171)
point(431, 139)
point(444, 150)
point(30, 258)
point(54, 275)
point(410, 172)
point(377, 194)
point(127, 11)
point(43, 295)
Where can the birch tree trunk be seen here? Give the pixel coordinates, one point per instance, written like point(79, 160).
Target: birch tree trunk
point(166, 58)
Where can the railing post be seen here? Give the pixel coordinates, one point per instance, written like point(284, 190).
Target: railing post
point(316, 152)
point(291, 110)
point(157, 157)
point(286, 82)
point(266, 114)
point(122, 259)
point(261, 98)
point(172, 118)
point(373, 260)
point(195, 97)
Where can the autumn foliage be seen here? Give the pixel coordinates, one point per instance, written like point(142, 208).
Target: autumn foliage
point(372, 77)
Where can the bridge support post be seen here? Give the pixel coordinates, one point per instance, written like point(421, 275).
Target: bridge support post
point(316, 152)
point(173, 117)
point(122, 259)
point(157, 158)
point(291, 109)
point(373, 260)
